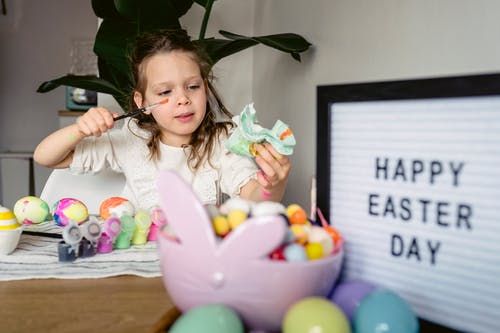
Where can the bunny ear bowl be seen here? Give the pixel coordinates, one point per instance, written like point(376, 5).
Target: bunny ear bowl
point(236, 272)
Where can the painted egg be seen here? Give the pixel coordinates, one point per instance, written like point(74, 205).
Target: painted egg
point(68, 209)
point(10, 231)
point(8, 220)
point(31, 210)
point(116, 206)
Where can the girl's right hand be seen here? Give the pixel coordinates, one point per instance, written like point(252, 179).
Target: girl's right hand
point(95, 122)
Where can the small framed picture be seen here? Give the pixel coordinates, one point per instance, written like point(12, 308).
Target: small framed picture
point(80, 99)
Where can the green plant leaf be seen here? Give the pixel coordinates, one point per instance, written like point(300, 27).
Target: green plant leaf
point(202, 3)
point(105, 9)
point(113, 41)
point(286, 42)
point(221, 48)
point(161, 14)
point(89, 82)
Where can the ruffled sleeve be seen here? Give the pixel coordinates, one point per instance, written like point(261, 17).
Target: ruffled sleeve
point(94, 154)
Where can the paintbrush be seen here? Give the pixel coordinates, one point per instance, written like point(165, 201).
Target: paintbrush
point(141, 110)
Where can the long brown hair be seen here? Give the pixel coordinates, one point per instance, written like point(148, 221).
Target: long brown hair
point(206, 135)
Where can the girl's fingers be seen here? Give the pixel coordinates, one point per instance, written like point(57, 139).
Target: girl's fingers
point(282, 159)
point(275, 170)
point(96, 121)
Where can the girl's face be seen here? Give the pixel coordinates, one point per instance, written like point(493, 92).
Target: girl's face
point(176, 76)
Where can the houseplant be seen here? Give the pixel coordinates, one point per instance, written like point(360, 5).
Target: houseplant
point(123, 20)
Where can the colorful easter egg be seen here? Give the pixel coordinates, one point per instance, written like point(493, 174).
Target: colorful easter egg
point(116, 206)
point(10, 231)
point(296, 214)
point(8, 220)
point(31, 210)
point(236, 217)
point(384, 308)
point(315, 314)
point(209, 318)
point(68, 209)
point(320, 235)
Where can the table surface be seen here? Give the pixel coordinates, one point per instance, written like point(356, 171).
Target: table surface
point(117, 304)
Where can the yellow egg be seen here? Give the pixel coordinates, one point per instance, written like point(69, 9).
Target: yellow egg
point(299, 232)
point(236, 217)
point(221, 225)
point(314, 251)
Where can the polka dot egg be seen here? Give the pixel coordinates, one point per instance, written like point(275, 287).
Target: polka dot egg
point(31, 210)
point(69, 209)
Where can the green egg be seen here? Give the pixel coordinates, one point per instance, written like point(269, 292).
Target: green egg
point(210, 318)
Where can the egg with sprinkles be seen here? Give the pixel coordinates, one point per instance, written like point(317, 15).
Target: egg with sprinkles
point(68, 209)
point(31, 210)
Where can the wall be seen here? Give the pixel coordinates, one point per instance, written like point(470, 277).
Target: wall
point(35, 41)
point(354, 40)
point(362, 40)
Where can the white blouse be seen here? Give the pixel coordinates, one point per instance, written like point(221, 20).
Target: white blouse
point(127, 152)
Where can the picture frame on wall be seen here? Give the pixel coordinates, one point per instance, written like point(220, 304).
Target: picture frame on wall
point(408, 171)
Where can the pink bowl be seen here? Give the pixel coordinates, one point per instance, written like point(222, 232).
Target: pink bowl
point(235, 271)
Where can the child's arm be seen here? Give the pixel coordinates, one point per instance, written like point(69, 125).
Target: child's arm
point(56, 150)
point(272, 177)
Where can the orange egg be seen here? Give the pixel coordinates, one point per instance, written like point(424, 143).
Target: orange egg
point(333, 233)
point(296, 215)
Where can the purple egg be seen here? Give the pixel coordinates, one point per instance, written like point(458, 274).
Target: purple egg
point(348, 295)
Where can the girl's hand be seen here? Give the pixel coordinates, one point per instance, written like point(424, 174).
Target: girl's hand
point(95, 122)
point(274, 171)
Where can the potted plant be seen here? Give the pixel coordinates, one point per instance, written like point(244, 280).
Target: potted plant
point(123, 20)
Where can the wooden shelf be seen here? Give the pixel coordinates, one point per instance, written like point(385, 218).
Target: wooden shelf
point(70, 113)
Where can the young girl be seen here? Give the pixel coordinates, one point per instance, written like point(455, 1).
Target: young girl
point(182, 133)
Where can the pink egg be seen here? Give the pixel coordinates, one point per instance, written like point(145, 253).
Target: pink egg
point(68, 209)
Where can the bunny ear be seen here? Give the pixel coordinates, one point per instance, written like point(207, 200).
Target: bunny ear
point(253, 239)
point(185, 213)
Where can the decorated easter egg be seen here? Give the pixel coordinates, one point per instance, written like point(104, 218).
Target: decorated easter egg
point(8, 220)
point(295, 252)
point(349, 294)
point(68, 209)
point(296, 214)
point(10, 231)
point(320, 235)
point(236, 217)
point(31, 210)
point(314, 250)
point(384, 308)
point(209, 318)
point(315, 314)
point(117, 206)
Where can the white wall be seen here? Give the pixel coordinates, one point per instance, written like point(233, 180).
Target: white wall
point(363, 40)
point(35, 41)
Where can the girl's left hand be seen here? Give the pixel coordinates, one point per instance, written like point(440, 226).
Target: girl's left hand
point(274, 170)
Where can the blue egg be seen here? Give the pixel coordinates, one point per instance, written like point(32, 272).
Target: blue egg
point(384, 311)
point(295, 252)
point(210, 318)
